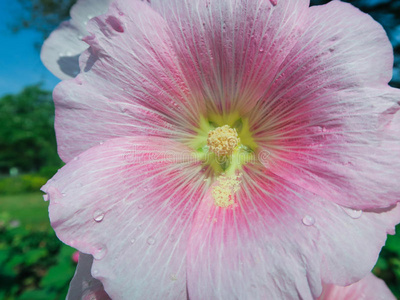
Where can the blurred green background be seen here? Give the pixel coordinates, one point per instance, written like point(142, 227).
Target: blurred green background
point(33, 263)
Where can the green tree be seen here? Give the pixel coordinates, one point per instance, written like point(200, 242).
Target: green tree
point(27, 139)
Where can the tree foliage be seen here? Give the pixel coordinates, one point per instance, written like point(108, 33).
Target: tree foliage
point(27, 139)
point(42, 15)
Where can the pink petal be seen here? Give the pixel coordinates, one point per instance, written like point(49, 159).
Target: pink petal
point(325, 121)
point(350, 157)
point(131, 84)
point(280, 243)
point(230, 50)
point(61, 50)
point(368, 288)
point(83, 285)
point(130, 203)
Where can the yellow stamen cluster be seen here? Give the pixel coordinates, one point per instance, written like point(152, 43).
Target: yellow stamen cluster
point(225, 189)
point(223, 140)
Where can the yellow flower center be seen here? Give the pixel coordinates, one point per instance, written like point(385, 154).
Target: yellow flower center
point(223, 140)
point(224, 143)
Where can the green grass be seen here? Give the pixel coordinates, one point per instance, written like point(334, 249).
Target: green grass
point(30, 209)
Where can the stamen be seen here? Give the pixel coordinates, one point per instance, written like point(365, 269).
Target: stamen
point(225, 190)
point(223, 140)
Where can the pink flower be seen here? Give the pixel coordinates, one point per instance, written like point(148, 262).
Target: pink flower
point(227, 149)
point(75, 257)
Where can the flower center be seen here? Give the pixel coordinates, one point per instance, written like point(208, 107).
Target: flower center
point(224, 143)
point(223, 140)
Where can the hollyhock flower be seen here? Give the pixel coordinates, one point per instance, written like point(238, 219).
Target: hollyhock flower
point(227, 149)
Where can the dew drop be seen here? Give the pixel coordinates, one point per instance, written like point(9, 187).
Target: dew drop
point(151, 240)
point(274, 2)
point(100, 253)
point(353, 213)
point(76, 158)
point(98, 216)
point(145, 189)
point(95, 272)
point(133, 240)
point(140, 206)
point(101, 143)
point(64, 194)
point(46, 197)
point(308, 220)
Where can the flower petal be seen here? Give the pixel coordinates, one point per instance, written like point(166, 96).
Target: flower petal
point(230, 50)
point(60, 52)
point(325, 121)
point(280, 243)
point(130, 203)
point(83, 285)
point(368, 288)
point(350, 155)
point(131, 83)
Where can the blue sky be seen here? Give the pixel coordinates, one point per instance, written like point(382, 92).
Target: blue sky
point(20, 64)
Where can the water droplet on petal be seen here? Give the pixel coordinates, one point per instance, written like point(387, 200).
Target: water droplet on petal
point(151, 240)
point(100, 253)
point(133, 240)
point(140, 206)
point(64, 194)
point(274, 2)
point(308, 220)
point(46, 197)
point(95, 272)
point(76, 158)
point(98, 216)
point(353, 213)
